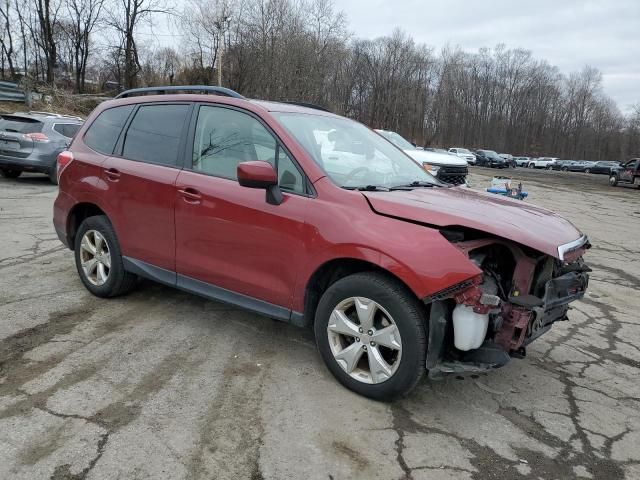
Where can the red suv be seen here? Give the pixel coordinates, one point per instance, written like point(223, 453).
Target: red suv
point(311, 218)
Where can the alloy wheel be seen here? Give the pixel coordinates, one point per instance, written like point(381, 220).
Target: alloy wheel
point(95, 257)
point(364, 340)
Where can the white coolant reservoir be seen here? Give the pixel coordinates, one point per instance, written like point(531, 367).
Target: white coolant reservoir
point(469, 327)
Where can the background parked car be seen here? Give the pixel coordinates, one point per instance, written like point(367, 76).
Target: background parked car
point(584, 166)
point(443, 166)
point(522, 161)
point(509, 158)
point(604, 167)
point(32, 141)
point(562, 165)
point(437, 150)
point(489, 158)
point(628, 173)
point(468, 155)
point(542, 162)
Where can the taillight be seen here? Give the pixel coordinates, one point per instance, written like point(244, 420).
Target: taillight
point(64, 159)
point(36, 137)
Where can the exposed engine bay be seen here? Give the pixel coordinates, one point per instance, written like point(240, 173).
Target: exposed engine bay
point(482, 323)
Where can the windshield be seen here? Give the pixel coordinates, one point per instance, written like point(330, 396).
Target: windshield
point(396, 139)
point(352, 155)
point(463, 150)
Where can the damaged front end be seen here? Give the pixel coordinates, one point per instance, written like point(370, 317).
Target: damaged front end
point(483, 323)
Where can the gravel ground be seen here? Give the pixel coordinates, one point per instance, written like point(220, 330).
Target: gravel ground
point(163, 384)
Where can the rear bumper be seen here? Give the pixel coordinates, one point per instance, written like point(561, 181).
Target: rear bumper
point(32, 163)
point(61, 208)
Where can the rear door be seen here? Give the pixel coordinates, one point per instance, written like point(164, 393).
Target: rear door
point(140, 181)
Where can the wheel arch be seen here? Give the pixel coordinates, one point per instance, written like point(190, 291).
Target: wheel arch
point(333, 270)
point(77, 215)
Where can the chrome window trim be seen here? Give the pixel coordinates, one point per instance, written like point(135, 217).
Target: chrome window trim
point(567, 247)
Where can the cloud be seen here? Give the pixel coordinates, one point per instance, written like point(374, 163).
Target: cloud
point(566, 33)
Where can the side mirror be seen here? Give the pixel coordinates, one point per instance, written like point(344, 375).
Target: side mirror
point(260, 174)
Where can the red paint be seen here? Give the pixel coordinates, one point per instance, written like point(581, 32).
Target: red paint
point(257, 174)
point(217, 231)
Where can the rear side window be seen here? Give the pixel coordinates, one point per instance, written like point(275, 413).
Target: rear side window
point(103, 133)
point(9, 123)
point(154, 134)
point(66, 129)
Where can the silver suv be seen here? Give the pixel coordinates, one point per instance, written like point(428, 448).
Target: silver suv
point(31, 141)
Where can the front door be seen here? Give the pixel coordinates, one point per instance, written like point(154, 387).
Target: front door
point(141, 178)
point(227, 236)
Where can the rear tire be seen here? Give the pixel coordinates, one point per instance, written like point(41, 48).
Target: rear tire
point(565, 169)
point(53, 176)
point(10, 172)
point(613, 180)
point(117, 280)
point(394, 305)
point(588, 170)
point(532, 165)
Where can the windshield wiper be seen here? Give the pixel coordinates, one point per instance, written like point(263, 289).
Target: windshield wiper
point(414, 184)
point(368, 188)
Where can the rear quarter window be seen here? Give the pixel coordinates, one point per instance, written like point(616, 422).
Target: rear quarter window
point(103, 133)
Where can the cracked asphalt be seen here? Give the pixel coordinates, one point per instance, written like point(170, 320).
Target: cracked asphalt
point(163, 384)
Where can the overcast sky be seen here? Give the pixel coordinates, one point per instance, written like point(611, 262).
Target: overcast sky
point(567, 33)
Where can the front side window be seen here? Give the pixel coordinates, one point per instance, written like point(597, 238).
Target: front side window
point(154, 134)
point(103, 133)
point(225, 137)
point(352, 155)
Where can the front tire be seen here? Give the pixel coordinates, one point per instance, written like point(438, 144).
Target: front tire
point(371, 332)
point(588, 170)
point(531, 165)
point(99, 259)
point(10, 172)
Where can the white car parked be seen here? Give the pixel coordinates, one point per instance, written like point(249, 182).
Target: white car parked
point(464, 153)
point(522, 161)
point(542, 162)
point(444, 166)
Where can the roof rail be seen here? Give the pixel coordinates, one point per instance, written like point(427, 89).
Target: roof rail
point(49, 114)
point(309, 105)
point(134, 92)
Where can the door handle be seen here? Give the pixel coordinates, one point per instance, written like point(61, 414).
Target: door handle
point(190, 195)
point(112, 174)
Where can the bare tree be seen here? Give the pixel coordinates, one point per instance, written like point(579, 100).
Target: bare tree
point(6, 38)
point(83, 17)
point(125, 19)
point(47, 13)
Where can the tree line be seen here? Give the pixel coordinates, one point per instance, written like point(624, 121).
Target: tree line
point(498, 98)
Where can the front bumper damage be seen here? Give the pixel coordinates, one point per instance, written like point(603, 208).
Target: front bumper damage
point(536, 296)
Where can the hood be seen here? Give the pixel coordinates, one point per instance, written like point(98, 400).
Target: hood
point(514, 220)
point(435, 158)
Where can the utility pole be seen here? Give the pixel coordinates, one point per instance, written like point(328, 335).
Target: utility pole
point(221, 25)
